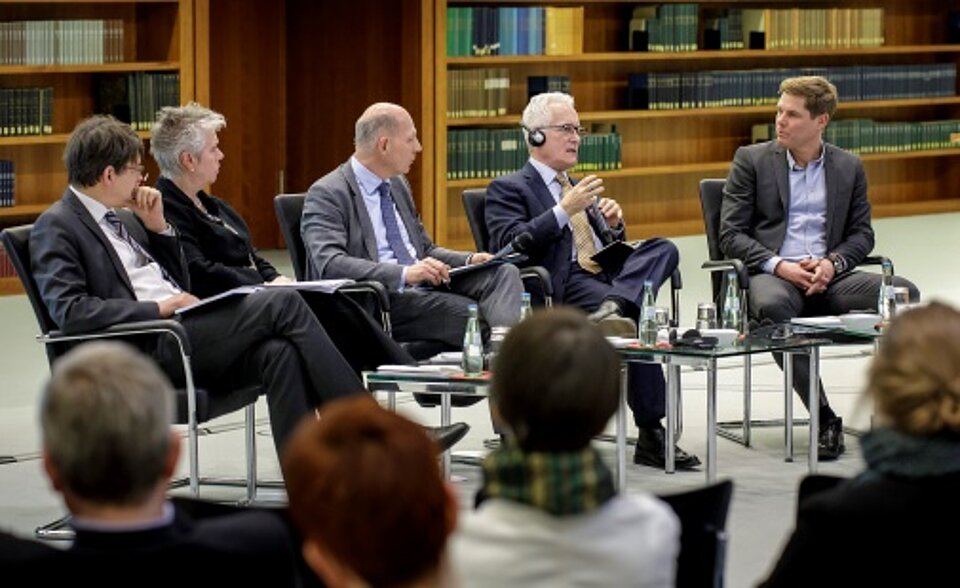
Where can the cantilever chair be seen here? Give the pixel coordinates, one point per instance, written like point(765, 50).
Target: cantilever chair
point(194, 405)
point(474, 204)
point(703, 537)
point(711, 198)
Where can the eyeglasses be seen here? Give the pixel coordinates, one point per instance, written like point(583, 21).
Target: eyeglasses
point(568, 129)
point(140, 169)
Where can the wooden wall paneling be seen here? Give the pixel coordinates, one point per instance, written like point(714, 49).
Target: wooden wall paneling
point(342, 57)
point(247, 85)
point(201, 51)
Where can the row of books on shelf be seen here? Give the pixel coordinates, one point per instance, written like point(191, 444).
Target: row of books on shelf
point(7, 179)
point(485, 92)
point(483, 153)
point(867, 136)
point(136, 97)
point(674, 27)
point(61, 42)
point(711, 89)
point(514, 30)
point(26, 111)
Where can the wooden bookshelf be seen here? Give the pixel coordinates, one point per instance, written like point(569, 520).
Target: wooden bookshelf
point(666, 152)
point(158, 36)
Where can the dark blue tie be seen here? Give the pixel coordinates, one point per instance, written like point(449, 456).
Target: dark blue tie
point(114, 221)
point(394, 239)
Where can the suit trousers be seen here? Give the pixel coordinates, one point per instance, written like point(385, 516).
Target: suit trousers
point(440, 314)
point(272, 339)
point(778, 300)
point(653, 260)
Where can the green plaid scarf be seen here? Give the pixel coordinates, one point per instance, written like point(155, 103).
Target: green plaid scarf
point(558, 483)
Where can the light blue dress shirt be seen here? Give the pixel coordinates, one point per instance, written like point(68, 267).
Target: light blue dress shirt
point(806, 236)
point(549, 176)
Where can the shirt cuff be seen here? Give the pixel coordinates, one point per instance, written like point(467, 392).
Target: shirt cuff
point(563, 219)
point(771, 264)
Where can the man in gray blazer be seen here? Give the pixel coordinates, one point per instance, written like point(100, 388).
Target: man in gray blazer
point(795, 211)
point(360, 222)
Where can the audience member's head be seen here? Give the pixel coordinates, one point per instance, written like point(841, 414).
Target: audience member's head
point(106, 417)
point(556, 381)
point(182, 131)
point(915, 378)
point(97, 143)
point(819, 95)
point(366, 492)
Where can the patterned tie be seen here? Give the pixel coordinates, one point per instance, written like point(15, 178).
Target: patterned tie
point(582, 233)
point(145, 258)
point(394, 239)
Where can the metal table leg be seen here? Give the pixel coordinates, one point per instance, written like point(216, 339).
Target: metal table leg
point(814, 402)
point(711, 421)
point(621, 423)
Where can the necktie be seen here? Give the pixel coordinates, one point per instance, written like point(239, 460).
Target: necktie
point(121, 231)
point(394, 239)
point(582, 233)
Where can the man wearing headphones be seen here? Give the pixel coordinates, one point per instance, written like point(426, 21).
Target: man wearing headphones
point(569, 223)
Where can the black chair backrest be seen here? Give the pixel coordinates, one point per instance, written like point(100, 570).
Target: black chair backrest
point(703, 520)
point(16, 240)
point(289, 210)
point(711, 197)
point(474, 202)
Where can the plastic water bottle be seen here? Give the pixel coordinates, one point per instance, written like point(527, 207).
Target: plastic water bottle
point(731, 304)
point(472, 345)
point(648, 317)
point(885, 299)
point(526, 308)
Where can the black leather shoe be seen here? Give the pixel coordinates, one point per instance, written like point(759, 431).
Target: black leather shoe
point(830, 442)
point(651, 450)
point(447, 437)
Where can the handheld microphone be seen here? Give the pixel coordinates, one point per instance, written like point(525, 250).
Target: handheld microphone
point(519, 245)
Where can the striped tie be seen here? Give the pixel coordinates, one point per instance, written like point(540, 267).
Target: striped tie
point(145, 258)
point(582, 233)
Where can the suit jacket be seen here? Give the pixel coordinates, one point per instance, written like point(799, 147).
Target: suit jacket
point(81, 280)
point(218, 258)
point(256, 546)
point(756, 197)
point(339, 236)
point(521, 202)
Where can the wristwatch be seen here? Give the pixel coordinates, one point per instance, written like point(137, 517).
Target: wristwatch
point(839, 263)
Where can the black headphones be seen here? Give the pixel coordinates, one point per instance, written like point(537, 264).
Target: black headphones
point(536, 138)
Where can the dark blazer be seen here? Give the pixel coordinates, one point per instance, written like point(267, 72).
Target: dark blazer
point(339, 237)
point(218, 258)
point(81, 279)
point(244, 547)
point(873, 530)
point(521, 202)
point(753, 216)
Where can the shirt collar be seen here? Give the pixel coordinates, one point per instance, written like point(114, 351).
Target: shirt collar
point(792, 163)
point(546, 172)
point(165, 518)
point(368, 181)
point(96, 208)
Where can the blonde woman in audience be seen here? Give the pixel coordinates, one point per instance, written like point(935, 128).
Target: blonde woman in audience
point(891, 525)
point(549, 514)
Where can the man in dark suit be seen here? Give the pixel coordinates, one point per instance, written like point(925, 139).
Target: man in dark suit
point(571, 222)
point(795, 211)
point(96, 266)
point(109, 449)
point(360, 222)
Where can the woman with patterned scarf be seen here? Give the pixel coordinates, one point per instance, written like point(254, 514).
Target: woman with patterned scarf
point(891, 525)
point(549, 514)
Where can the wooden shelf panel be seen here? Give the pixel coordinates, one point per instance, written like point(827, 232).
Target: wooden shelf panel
point(708, 168)
point(698, 56)
point(54, 139)
point(10, 286)
point(22, 211)
point(89, 1)
point(125, 66)
point(765, 109)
